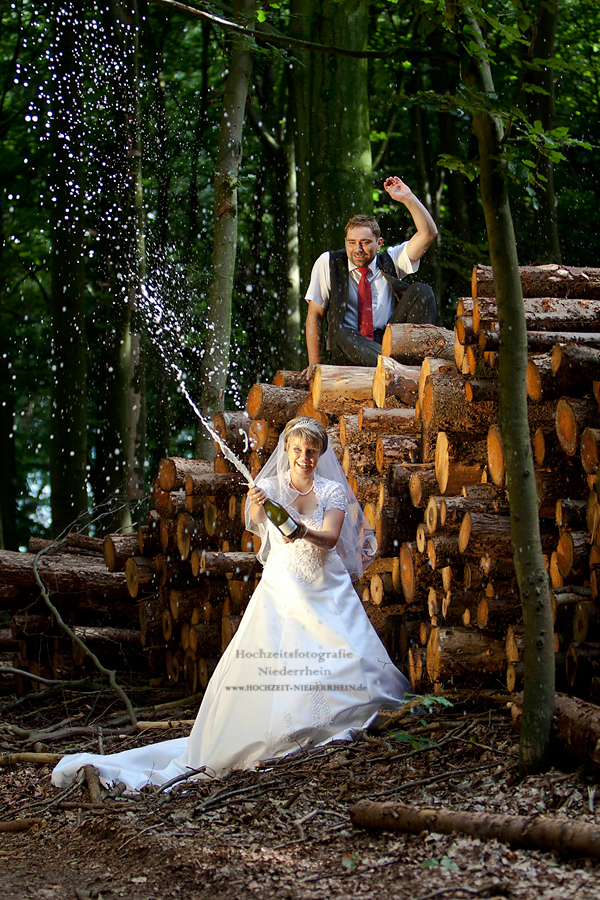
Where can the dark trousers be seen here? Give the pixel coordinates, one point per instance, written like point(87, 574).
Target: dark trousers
point(349, 348)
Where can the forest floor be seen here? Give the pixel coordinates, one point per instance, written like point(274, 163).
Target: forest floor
point(285, 831)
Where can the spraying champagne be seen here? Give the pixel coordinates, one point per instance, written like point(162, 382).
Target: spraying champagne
point(274, 511)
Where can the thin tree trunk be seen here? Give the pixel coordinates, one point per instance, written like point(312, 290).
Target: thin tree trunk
point(534, 833)
point(287, 318)
point(8, 461)
point(541, 107)
point(68, 420)
point(215, 364)
point(8, 456)
point(127, 253)
point(134, 411)
point(430, 270)
point(201, 126)
point(538, 703)
point(281, 167)
point(295, 352)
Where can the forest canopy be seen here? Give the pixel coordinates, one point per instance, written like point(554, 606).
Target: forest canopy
point(111, 120)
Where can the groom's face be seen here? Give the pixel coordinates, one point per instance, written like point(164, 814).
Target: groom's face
point(362, 245)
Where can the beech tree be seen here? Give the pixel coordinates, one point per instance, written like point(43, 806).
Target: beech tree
point(541, 107)
point(532, 578)
point(215, 364)
point(149, 150)
point(119, 446)
point(68, 420)
point(332, 133)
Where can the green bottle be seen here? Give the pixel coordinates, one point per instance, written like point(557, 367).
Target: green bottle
point(281, 518)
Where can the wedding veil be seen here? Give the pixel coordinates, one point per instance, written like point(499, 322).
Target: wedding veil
point(357, 545)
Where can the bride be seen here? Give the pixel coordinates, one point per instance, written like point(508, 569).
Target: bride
point(305, 665)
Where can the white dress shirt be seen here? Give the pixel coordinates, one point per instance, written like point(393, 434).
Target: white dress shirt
point(319, 288)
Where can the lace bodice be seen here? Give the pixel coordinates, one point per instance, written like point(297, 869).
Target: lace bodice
point(301, 557)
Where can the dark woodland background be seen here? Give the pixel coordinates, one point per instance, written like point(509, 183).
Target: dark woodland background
point(110, 122)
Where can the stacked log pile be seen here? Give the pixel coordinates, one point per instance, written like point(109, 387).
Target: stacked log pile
point(460, 432)
point(419, 441)
point(94, 602)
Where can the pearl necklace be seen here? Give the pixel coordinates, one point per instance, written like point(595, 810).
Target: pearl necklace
point(302, 493)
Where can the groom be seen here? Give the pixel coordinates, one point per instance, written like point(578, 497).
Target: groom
point(360, 290)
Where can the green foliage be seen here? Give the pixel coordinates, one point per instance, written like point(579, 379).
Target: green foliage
point(445, 862)
point(352, 862)
point(419, 121)
point(420, 742)
point(468, 168)
point(431, 701)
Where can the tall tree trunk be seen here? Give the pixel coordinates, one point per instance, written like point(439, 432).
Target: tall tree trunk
point(424, 180)
point(292, 304)
point(457, 196)
point(127, 252)
point(201, 126)
point(538, 700)
point(280, 165)
point(331, 105)
point(8, 459)
point(215, 363)
point(68, 443)
point(155, 366)
point(541, 107)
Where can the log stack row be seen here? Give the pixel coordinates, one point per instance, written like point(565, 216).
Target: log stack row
point(466, 524)
point(194, 567)
point(419, 441)
point(94, 602)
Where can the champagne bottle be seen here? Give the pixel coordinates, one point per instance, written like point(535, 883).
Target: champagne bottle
point(281, 518)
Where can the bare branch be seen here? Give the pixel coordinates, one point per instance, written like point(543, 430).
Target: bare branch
point(75, 638)
point(271, 36)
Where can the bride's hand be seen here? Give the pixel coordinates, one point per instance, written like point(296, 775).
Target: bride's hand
point(256, 495)
point(256, 498)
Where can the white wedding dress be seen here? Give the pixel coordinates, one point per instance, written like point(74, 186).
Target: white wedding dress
point(304, 667)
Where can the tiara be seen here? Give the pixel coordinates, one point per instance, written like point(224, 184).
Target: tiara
point(302, 422)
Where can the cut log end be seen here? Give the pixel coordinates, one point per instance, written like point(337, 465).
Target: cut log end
point(566, 426)
point(496, 461)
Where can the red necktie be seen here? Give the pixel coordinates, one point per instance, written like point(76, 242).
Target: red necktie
point(365, 304)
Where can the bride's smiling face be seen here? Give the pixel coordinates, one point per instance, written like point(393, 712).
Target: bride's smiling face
point(303, 456)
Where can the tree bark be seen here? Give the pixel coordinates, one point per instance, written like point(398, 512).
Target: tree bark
point(215, 364)
point(542, 281)
point(462, 652)
point(126, 251)
point(386, 421)
point(394, 449)
point(68, 417)
point(395, 381)
point(242, 565)
point(410, 344)
point(275, 404)
point(520, 831)
point(332, 135)
point(541, 108)
point(173, 471)
point(529, 564)
point(573, 361)
point(576, 727)
point(118, 548)
point(63, 575)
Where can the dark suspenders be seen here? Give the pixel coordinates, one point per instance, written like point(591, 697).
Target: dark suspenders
point(338, 270)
